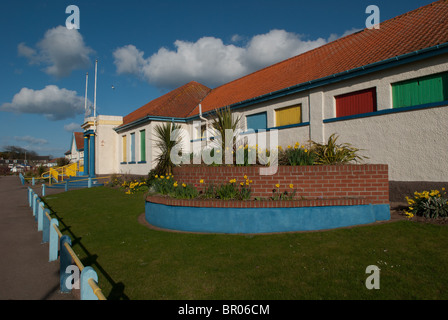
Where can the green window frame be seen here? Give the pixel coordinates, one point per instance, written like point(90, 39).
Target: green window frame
point(143, 146)
point(420, 91)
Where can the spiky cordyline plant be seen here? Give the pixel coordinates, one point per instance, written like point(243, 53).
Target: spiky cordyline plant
point(333, 153)
point(224, 120)
point(167, 137)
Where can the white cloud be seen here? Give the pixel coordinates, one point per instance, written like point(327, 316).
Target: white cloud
point(61, 51)
point(335, 36)
point(31, 140)
point(72, 127)
point(128, 59)
point(275, 46)
point(209, 60)
point(236, 38)
point(52, 102)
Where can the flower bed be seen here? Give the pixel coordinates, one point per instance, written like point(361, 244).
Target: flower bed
point(320, 197)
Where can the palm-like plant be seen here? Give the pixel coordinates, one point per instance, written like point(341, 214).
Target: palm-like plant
point(333, 153)
point(167, 137)
point(225, 120)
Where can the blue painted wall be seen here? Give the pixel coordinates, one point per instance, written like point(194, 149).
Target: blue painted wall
point(262, 220)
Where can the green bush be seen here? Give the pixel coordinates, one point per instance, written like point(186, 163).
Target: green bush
point(333, 153)
point(299, 156)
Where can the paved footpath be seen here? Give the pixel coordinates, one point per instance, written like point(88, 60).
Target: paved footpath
point(25, 272)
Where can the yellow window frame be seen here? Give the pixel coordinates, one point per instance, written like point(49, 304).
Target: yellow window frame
point(288, 116)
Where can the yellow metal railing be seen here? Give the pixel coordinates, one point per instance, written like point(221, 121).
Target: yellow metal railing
point(60, 173)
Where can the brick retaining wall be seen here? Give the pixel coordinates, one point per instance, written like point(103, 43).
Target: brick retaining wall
point(369, 182)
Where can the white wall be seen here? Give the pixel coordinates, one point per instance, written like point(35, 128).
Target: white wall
point(413, 143)
point(106, 144)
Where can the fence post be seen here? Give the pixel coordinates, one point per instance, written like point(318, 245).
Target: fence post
point(34, 204)
point(33, 181)
point(30, 196)
point(54, 237)
point(46, 227)
point(86, 290)
point(90, 183)
point(36, 207)
point(40, 217)
point(65, 261)
point(66, 186)
point(43, 190)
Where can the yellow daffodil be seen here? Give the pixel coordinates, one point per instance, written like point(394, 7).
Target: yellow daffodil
point(291, 186)
point(277, 185)
point(201, 181)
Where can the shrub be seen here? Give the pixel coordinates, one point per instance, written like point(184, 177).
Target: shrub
point(427, 204)
point(135, 186)
point(333, 153)
point(167, 138)
point(298, 155)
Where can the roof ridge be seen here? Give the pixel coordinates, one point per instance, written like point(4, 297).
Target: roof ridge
point(329, 43)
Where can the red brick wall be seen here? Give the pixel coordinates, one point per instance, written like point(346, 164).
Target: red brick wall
point(368, 182)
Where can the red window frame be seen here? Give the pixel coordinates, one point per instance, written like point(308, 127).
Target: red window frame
point(358, 102)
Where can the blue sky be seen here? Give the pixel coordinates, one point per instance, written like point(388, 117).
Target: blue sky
point(145, 49)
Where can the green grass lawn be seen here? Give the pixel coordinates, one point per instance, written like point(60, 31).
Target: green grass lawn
point(137, 263)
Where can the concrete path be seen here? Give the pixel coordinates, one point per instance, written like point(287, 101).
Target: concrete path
point(25, 273)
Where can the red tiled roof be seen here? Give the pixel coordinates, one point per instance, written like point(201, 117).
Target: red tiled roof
point(422, 28)
point(79, 139)
point(177, 103)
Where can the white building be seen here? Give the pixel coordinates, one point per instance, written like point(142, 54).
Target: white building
point(76, 152)
point(384, 91)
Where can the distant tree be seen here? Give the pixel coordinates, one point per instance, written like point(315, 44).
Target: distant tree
point(62, 162)
point(14, 152)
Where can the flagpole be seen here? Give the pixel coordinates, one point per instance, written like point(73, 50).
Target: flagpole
point(85, 102)
point(94, 98)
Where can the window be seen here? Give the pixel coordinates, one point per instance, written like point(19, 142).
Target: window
point(143, 146)
point(257, 121)
point(132, 147)
point(124, 145)
point(288, 116)
point(424, 90)
point(356, 103)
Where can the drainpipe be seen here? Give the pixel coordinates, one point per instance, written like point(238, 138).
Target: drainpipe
point(206, 122)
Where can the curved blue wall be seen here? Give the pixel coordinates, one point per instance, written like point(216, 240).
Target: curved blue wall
point(262, 220)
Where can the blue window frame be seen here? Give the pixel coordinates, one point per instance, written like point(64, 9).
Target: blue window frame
point(257, 121)
point(132, 147)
